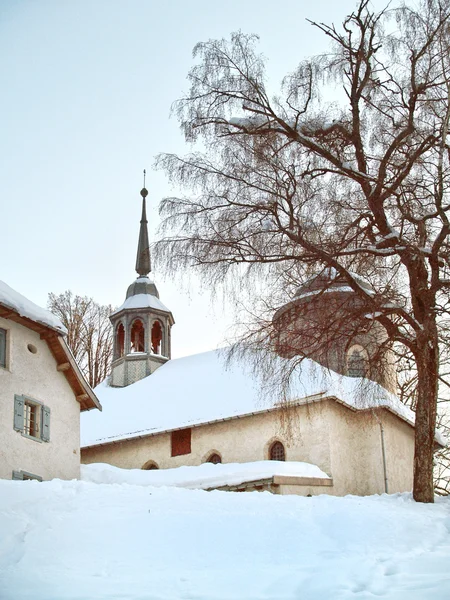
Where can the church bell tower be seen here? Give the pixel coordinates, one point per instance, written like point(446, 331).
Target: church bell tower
point(142, 324)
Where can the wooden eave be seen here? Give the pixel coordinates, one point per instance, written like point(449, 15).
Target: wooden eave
point(65, 361)
point(68, 366)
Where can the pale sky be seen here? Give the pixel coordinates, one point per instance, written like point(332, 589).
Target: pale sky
point(87, 87)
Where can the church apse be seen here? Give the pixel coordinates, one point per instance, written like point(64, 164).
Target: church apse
point(326, 322)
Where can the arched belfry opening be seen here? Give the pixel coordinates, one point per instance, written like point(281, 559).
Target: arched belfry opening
point(137, 336)
point(157, 336)
point(142, 323)
point(119, 341)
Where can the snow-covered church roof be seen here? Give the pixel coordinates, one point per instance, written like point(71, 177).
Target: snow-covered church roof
point(202, 388)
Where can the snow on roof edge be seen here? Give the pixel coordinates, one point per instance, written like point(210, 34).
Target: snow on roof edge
point(15, 301)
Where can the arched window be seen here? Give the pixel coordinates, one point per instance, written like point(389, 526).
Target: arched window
point(150, 465)
point(277, 452)
point(156, 337)
point(137, 336)
point(357, 361)
point(214, 458)
point(120, 341)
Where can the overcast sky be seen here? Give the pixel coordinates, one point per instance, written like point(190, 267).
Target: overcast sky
point(87, 87)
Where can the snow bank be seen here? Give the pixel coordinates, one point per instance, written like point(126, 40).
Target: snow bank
point(75, 540)
point(202, 477)
point(199, 389)
point(12, 299)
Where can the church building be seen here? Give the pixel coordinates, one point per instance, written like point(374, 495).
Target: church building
point(342, 414)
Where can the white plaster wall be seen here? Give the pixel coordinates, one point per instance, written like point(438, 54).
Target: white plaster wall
point(35, 376)
point(344, 444)
point(356, 451)
point(238, 440)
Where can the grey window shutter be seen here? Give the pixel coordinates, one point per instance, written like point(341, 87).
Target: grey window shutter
point(45, 429)
point(18, 412)
point(17, 475)
point(2, 348)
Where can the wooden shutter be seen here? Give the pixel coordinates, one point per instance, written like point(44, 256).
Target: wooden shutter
point(2, 348)
point(18, 412)
point(181, 442)
point(45, 425)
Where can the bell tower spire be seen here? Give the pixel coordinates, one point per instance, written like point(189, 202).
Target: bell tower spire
point(142, 324)
point(143, 263)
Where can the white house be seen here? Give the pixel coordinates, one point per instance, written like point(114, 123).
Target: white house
point(42, 392)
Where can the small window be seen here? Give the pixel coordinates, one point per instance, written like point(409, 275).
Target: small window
point(32, 418)
point(181, 442)
point(3, 348)
point(357, 361)
point(277, 452)
point(24, 476)
point(215, 459)
point(137, 336)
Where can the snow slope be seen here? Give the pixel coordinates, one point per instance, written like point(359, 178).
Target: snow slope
point(201, 388)
point(76, 540)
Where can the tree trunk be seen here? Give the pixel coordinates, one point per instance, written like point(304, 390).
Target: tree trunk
point(426, 410)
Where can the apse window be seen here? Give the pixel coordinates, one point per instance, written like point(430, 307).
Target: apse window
point(357, 361)
point(181, 442)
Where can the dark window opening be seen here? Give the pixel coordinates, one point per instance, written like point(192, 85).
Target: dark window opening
point(181, 442)
point(120, 341)
point(150, 466)
point(137, 336)
point(277, 451)
point(156, 337)
point(2, 348)
point(215, 459)
point(356, 362)
point(31, 419)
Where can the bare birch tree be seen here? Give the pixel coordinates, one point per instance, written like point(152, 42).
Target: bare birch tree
point(300, 183)
point(90, 335)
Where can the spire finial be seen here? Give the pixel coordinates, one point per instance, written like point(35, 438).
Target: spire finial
point(144, 192)
point(143, 264)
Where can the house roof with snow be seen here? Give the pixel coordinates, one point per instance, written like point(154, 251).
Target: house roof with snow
point(204, 388)
point(15, 307)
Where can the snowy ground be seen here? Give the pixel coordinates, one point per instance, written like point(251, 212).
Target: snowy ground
point(80, 540)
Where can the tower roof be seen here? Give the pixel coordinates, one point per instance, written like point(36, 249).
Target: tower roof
point(143, 263)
